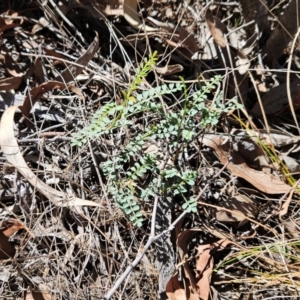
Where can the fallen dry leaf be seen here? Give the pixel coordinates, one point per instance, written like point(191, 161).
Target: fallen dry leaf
point(132, 17)
point(169, 69)
point(13, 154)
point(7, 229)
point(230, 56)
point(38, 91)
point(265, 182)
point(205, 264)
point(276, 100)
point(241, 208)
point(194, 287)
point(6, 23)
point(73, 70)
point(41, 293)
point(174, 289)
point(10, 83)
point(217, 28)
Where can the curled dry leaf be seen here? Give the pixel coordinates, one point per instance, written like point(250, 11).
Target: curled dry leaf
point(266, 183)
point(13, 154)
point(169, 69)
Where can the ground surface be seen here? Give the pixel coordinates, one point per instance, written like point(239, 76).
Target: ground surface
point(149, 150)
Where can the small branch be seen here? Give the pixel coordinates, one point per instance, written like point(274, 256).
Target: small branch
point(140, 256)
point(150, 241)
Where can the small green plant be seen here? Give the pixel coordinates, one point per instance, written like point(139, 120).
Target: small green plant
point(132, 173)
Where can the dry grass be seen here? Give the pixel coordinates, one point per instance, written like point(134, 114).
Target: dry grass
point(80, 252)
